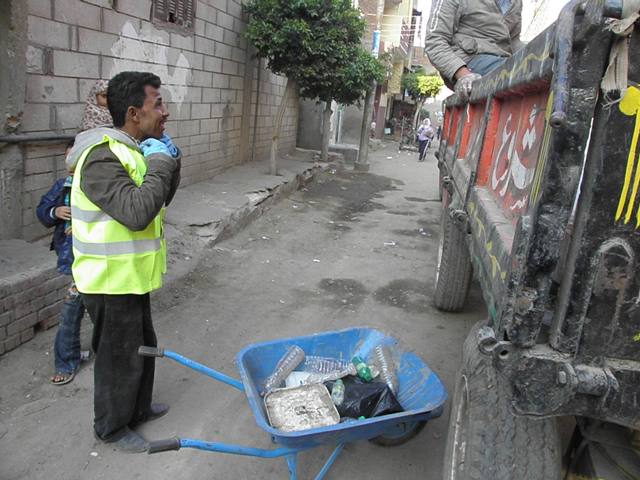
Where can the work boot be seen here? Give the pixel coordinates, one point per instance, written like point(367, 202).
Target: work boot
point(156, 410)
point(127, 441)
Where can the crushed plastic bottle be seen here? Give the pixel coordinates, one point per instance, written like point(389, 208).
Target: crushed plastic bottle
point(337, 393)
point(315, 364)
point(387, 367)
point(290, 360)
point(364, 372)
point(328, 377)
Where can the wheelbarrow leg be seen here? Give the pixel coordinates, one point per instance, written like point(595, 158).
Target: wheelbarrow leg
point(332, 458)
point(292, 465)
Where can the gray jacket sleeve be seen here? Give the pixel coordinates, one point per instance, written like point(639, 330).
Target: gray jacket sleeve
point(515, 26)
point(440, 31)
point(107, 184)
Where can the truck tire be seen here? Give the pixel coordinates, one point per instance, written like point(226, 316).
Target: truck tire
point(453, 267)
point(486, 440)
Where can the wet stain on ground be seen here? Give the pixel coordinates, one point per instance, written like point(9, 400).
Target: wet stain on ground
point(405, 213)
point(429, 224)
point(418, 232)
point(340, 227)
point(344, 291)
point(408, 294)
point(355, 190)
point(416, 199)
point(350, 212)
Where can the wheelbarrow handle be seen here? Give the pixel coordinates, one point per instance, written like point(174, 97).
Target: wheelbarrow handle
point(198, 367)
point(164, 445)
point(176, 443)
point(150, 351)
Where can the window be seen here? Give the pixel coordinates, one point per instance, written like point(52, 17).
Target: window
point(178, 13)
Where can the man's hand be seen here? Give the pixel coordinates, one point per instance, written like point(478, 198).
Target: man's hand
point(153, 145)
point(63, 213)
point(465, 83)
point(169, 143)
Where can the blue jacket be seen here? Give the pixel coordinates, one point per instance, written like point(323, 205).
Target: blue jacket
point(61, 243)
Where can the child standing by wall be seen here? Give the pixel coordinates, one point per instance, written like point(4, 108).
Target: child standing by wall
point(54, 210)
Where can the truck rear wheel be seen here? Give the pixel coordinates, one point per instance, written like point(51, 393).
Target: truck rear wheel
point(453, 267)
point(486, 440)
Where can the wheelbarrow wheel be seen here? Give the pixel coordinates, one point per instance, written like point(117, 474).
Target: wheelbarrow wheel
point(485, 439)
point(402, 433)
point(453, 267)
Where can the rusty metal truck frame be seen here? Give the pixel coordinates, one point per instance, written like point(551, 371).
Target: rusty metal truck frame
point(540, 182)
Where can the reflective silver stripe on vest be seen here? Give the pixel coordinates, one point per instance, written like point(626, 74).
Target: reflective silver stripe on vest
point(89, 216)
point(117, 248)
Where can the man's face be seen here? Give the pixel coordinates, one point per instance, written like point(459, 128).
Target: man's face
point(152, 115)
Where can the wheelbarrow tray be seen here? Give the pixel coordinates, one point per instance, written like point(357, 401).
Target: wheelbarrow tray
point(420, 392)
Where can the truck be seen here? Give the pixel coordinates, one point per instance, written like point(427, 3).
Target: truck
point(540, 185)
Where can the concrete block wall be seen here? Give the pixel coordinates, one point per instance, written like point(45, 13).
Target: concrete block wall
point(209, 77)
point(29, 301)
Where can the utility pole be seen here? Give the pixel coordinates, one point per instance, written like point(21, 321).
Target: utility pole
point(362, 164)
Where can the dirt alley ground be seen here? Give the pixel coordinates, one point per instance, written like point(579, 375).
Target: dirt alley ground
point(350, 249)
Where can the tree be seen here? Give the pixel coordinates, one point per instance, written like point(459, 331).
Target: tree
point(311, 42)
point(350, 82)
point(421, 86)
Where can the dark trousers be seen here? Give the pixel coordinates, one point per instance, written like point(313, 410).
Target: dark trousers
point(123, 380)
point(422, 148)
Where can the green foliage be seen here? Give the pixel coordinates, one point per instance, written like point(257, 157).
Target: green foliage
point(315, 43)
point(421, 86)
point(354, 78)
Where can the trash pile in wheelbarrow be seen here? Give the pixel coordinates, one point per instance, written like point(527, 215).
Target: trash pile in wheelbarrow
point(306, 392)
point(313, 377)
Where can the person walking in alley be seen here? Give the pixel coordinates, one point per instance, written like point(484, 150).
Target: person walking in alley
point(425, 136)
point(467, 39)
point(54, 211)
point(124, 177)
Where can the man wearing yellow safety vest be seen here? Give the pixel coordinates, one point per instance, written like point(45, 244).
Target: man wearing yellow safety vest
point(124, 176)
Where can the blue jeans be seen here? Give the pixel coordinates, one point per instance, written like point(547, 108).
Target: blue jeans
point(484, 63)
point(66, 348)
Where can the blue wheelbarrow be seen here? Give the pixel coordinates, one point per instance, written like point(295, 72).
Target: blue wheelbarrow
point(420, 392)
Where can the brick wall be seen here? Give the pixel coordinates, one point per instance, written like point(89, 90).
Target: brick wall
point(207, 77)
point(28, 301)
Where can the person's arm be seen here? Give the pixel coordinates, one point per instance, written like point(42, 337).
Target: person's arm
point(439, 40)
point(45, 211)
point(515, 27)
point(106, 183)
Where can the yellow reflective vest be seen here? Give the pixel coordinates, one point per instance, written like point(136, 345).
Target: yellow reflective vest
point(108, 257)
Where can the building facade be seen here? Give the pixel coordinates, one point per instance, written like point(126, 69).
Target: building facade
point(221, 99)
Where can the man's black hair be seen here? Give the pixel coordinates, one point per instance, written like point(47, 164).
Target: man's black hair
point(126, 89)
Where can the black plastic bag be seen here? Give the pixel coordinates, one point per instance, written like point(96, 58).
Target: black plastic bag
point(367, 400)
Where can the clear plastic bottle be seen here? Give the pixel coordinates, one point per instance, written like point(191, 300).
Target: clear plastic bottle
point(316, 364)
point(337, 393)
point(290, 360)
point(328, 377)
point(387, 367)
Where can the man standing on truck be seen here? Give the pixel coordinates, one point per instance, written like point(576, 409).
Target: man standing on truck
point(469, 38)
point(124, 176)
